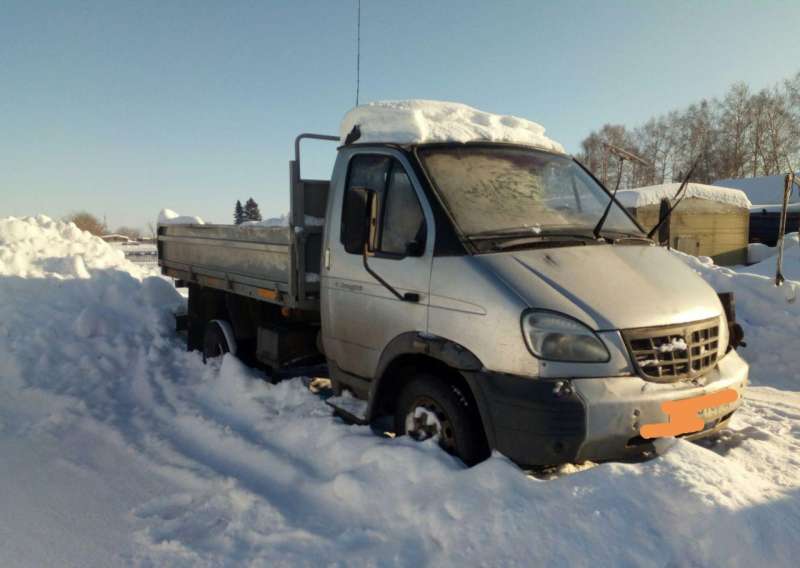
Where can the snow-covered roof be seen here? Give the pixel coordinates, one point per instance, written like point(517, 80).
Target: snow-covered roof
point(761, 190)
point(421, 121)
point(653, 194)
point(115, 236)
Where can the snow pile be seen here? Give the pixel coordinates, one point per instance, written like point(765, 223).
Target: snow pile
point(120, 448)
point(169, 217)
point(653, 194)
point(770, 315)
point(422, 121)
point(39, 247)
point(757, 253)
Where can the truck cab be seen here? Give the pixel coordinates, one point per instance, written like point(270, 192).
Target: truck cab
point(466, 291)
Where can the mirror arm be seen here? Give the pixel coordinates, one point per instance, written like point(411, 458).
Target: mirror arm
point(407, 297)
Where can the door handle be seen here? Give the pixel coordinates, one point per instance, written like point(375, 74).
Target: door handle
point(327, 259)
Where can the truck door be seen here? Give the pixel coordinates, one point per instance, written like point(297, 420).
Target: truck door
point(360, 316)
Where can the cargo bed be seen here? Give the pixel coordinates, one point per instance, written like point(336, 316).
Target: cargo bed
point(280, 265)
point(260, 262)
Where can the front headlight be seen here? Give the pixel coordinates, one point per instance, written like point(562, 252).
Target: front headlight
point(557, 337)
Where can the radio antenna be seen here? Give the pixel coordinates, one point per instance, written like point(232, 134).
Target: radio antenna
point(358, 51)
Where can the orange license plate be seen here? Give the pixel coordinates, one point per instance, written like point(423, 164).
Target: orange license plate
point(690, 414)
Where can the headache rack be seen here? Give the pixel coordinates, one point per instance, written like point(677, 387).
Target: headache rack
point(675, 352)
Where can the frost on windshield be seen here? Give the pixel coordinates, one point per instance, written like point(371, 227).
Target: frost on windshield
point(491, 189)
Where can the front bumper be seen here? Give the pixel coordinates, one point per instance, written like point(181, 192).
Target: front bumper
point(541, 422)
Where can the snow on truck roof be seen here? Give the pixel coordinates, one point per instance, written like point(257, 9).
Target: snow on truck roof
point(422, 121)
point(653, 194)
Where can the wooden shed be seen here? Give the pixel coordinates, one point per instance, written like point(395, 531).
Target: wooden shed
point(710, 221)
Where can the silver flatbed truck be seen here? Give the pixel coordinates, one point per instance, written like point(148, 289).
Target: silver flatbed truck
point(468, 291)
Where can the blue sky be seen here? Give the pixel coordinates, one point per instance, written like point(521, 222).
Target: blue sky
point(122, 108)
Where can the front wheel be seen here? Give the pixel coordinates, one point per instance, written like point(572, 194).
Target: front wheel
point(432, 408)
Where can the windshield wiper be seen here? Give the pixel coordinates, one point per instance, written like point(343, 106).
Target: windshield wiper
point(546, 240)
point(533, 232)
point(511, 232)
point(604, 216)
point(621, 236)
point(679, 195)
point(622, 155)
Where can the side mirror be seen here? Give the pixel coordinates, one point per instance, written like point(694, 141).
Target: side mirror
point(360, 220)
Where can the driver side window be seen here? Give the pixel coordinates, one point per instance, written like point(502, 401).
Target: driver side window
point(401, 222)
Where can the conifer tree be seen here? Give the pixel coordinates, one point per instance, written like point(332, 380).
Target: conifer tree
point(238, 213)
point(251, 212)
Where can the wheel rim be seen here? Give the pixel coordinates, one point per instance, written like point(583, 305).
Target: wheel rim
point(426, 419)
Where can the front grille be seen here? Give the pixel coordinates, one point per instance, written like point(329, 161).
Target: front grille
point(674, 352)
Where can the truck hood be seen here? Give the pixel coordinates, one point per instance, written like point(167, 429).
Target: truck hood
point(608, 286)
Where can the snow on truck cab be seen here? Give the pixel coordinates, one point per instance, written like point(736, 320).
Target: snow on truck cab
point(453, 275)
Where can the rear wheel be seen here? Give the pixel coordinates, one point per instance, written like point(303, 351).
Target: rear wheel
point(432, 408)
point(217, 339)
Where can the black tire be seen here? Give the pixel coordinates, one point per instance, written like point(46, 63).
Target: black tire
point(214, 342)
point(461, 430)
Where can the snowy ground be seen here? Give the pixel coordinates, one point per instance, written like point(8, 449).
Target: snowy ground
point(118, 447)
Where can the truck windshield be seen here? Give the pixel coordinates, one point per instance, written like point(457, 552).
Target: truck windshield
point(492, 191)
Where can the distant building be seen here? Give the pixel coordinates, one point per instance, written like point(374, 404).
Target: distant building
point(766, 195)
point(114, 238)
point(710, 221)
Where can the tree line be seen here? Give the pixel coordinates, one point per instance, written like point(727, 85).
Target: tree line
point(85, 221)
point(742, 134)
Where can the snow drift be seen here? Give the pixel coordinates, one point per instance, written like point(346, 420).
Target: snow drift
point(770, 316)
point(121, 448)
point(765, 263)
point(653, 194)
point(421, 121)
point(169, 217)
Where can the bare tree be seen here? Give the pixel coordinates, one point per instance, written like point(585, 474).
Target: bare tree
point(87, 222)
point(741, 134)
point(598, 159)
point(735, 123)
